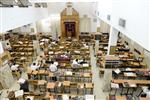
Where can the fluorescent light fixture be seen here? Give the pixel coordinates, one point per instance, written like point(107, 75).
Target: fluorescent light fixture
point(37, 1)
point(16, 1)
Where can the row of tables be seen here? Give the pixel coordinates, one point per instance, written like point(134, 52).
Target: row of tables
point(69, 79)
point(130, 76)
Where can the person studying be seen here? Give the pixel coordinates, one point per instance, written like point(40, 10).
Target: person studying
point(53, 69)
point(34, 66)
point(75, 63)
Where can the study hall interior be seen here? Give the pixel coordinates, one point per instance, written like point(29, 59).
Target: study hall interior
point(74, 50)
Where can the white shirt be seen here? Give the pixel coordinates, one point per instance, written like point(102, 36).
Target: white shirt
point(75, 63)
point(85, 46)
point(148, 94)
point(53, 68)
point(14, 67)
point(21, 80)
point(34, 67)
point(56, 63)
point(8, 47)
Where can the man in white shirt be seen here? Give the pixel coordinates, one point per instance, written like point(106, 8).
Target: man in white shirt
point(53, 68)
point(75, 63)
point(14, 67)
point(34, 66)
point(8, 47)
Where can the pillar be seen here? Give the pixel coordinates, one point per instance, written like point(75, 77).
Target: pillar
point(1, 48)
point(113, 37)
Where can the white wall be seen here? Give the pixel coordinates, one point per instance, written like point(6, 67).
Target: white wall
point(50, 25)
point(86, 8)
point(1, 48)
point(83, 8)
point(104, 9)
point(112, 38)
point(43, 25)
point(85, 25)
point(11, 18)
point(136, 14)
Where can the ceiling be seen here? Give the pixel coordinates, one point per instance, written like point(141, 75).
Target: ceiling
point(11, 3)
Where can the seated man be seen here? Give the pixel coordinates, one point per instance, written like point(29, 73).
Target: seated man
point(86, 45)
point(8, 47)
point(75, 63)
point(35, 66)
point(67, 53)
point(53, 68)
point(14, 67)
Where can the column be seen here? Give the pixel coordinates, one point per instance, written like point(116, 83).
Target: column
point(96, 46)
point(1, 48)
point(113, 37)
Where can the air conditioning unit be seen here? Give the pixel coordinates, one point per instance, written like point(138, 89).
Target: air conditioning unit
point(108, 17)
point(122, 22)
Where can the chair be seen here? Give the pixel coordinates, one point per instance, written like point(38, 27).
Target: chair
point(89, 87)
point(51, 87)
point(73, 88)
point(66, 85)
point(80, 87)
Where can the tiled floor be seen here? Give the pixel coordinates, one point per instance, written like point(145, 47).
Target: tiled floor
point(99, 83)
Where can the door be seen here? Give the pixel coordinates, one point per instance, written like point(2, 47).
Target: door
point(70, 30)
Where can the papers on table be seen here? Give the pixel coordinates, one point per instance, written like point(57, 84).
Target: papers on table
point(22, 53)
point(50, 52)
point(130, 74)
point(18, 93)
point(30, 97)
point(20, 42)
point(105, 48)
point(53, 42)
point(46, 40)
point(145, 89)
point(77, 51)
point(68, 73)
point(59, 84)
point(85, 65)
point(89, 97)
point(23, 58)
point(117, 71)
point(56, 63)
point(80, 61)
point(61, 47)
point(132, 85)
point(21, 80)
point(114, 85)
point(41, 43)
point(128, 69)
point(65, 97)
point(82, 86)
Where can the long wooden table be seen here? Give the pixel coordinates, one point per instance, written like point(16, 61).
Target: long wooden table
point(139, 82)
